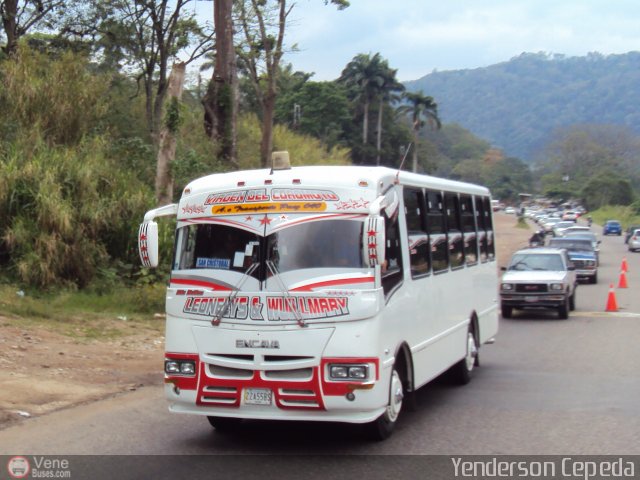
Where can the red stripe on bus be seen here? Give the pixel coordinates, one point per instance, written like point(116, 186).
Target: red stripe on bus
point(332, 283)
point(199, 283)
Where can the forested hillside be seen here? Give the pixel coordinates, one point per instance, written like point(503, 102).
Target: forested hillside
point(515, 105)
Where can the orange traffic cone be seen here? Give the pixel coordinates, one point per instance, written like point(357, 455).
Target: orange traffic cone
point(622, 282)
point(612, 304)
point(624, 266)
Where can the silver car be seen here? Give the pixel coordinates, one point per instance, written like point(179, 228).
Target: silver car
point(539, 278)
point(634, 241)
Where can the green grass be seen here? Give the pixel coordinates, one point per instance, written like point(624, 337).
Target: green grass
point(85, 315)
point(626, 215)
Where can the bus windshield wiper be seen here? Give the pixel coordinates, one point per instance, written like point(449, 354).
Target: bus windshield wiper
point(274, 271)
point(227, 304)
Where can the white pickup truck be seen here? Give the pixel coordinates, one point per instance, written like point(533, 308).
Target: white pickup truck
point(539, 278)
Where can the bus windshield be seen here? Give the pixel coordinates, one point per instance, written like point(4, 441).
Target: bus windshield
point(318, 244)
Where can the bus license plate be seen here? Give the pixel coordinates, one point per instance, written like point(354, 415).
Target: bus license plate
point(257, 396)
point(531, 299)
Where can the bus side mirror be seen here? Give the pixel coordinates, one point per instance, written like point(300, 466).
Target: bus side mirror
point(148, 244)
point(373, 247)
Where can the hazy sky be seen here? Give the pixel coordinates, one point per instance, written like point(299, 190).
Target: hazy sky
point(418, 36)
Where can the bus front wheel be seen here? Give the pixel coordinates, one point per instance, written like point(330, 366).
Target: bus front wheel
point(383, 426)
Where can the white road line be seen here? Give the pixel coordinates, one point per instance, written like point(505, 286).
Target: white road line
point(607, 314)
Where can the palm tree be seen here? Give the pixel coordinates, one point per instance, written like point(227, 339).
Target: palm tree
point(423, 110)
point(364, 74)
point(386, 94)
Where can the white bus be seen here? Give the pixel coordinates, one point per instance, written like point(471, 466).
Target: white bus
point(323, 293)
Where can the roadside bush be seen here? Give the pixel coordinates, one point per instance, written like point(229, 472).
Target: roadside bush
point(66, 212)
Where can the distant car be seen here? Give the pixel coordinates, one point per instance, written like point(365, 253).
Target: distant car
point(612, 227)
point(634, 241)
point(589, 235)
point(577, 229)
point(629, 231)
point(560, 227)
point(510, 210)
point(582, 254)
point(539, 278)
point(570, 215)
point(549, 223)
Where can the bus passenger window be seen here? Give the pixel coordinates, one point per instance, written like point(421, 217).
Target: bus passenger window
point(436, 230)
point(454, 230)
point(419, 250)
point(469, 230)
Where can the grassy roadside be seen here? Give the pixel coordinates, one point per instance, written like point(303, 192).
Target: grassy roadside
point(626, 215)
point(86, 315)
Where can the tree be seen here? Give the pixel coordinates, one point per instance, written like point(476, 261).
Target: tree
point(168, 134)
point(221, 100)
point(607, 189)
point(363, 76)
point(320, 109)
point(20, 16)
point(423, 110)
point(147, 35)
point(386, 94)
point(263, 26)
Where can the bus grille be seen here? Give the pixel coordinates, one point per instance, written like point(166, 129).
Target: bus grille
point(297, 388)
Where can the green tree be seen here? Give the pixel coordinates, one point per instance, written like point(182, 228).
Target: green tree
point(263, 26)
point(388, 92)
point(607, 188)
point(364, 76)
point(423, 110)
point(320, 109)
point(19, 17)
point(509, 177)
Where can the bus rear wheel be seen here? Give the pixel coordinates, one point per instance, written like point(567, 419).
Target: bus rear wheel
point(383, 426)
point(463, 370)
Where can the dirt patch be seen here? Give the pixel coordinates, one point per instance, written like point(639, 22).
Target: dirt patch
point(42, 370)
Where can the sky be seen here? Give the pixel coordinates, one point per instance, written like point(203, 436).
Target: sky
point(417, 37)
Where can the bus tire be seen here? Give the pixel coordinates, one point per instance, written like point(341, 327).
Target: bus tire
point(224, 424)
point(463, 370)
point(382, 427)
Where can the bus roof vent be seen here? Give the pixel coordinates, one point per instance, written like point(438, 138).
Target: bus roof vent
point(280, 161)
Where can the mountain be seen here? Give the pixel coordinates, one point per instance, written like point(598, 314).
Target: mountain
point(516, 105)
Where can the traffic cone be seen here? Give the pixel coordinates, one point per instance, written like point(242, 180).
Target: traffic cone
point(624, 266)
point(612, 304)
point(622, 282)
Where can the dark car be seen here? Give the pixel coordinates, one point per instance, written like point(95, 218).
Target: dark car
point(629, 231)
point(612, 227)
point(582, 254)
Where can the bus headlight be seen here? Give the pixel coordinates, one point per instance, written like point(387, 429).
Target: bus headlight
point(557, 286)
point(506, 286)
point(171, 367)
point(180, 367)
point(187, 368)
point(348, 372)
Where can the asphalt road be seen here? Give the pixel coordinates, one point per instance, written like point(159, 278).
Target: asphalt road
point(547, 386)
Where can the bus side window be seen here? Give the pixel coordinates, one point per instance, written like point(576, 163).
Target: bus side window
point(488, 225)
point(437, 233)
point(469, 230)
point(392, 272)
point(482, 234)
point(414, 207)
point(454, 230)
